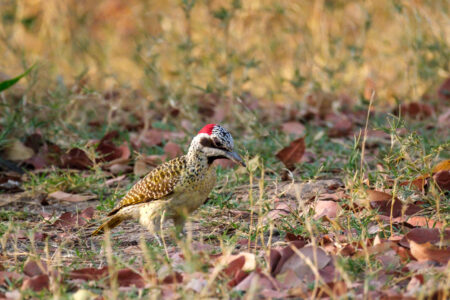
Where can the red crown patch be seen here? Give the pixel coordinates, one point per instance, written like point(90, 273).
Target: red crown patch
point(207, 129)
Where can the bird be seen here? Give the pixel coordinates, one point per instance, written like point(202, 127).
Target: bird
point(176, 188)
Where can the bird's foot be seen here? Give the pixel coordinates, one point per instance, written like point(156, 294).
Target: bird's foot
point(158, 239)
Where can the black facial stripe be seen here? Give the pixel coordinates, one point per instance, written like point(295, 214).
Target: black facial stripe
point(211, 159)
point(206, 142)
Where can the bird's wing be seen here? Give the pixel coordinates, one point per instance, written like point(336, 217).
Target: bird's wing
point(160, 182)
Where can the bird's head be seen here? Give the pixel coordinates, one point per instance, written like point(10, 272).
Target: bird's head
point(216, 142)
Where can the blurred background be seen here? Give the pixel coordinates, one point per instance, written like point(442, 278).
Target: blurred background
point(171, 60)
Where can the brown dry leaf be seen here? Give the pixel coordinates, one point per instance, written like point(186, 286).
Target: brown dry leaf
point(76, 159)
point(145, 164)
point(119, 168)
point(88, 273)
point(424, 252)
point(415, 110)
point(260, 279)
point(127, 277)
point(421, 221)
point(424, 235)
point(17, 151)
point(110, 152)
point(34, 268)
point(341, 126)
point(36, 283)
point(172, 150)
point(114, 180)
point(172, 278)
point(69, 220)
point(299, 264)
point(63, 196)
point(442, 179)
point(420, 181)
point(6, 277)
point(281, 209)
point(383, 203)
point(296, 129)
point(234, 266)
point(233, 261)
point(293, 153)
point(326, 208)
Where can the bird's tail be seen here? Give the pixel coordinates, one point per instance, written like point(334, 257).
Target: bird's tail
point(109, 224)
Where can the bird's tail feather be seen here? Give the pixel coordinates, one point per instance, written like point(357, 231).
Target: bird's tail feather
point(109, 224)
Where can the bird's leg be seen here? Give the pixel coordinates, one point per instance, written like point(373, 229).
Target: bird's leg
point(179, 222)
point(158, 239)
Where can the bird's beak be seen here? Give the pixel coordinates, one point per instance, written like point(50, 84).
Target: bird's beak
point(235, 157)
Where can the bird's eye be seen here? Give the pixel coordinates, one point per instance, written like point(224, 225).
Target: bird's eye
point(218, 143)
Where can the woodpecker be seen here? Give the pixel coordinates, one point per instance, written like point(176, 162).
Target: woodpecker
point(178, 187)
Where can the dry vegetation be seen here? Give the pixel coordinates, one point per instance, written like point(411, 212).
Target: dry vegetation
point(340, 107)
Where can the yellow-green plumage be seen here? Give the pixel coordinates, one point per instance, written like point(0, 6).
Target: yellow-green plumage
point(178, 187)
point(172, 191)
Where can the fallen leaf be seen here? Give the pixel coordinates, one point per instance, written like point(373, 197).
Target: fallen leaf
point(114, 180)
point(36, 283)
point(88, 273)
point(293, 153)
point(197, 283)
point(152, 137)
point(326, 208)
point(415, 110)
point(426, 251)
point(234, 266)
point(63, 196)
point(173, 278)
point(442, 179)
point(299, 264)
point(6, 277)
point(420, 181)
point(34, 268)
point(76, 159)
point(385, 204)
point(69, 220)
point(119, 168)
point(424, 235)
point(337, 289)
point(341, 126)
point(259, 279)
point(172, 150)
point(296, 129)
point(244, 261)
point(127, 277)
point(421, 221)
point(110, 152)
point(281, 209)
point(145, 164)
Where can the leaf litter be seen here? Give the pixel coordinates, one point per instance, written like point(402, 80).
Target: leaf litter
point(329, 259)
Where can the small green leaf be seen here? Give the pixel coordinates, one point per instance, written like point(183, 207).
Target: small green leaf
point(10, 82)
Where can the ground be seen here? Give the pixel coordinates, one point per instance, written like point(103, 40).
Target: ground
point(339, 108)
